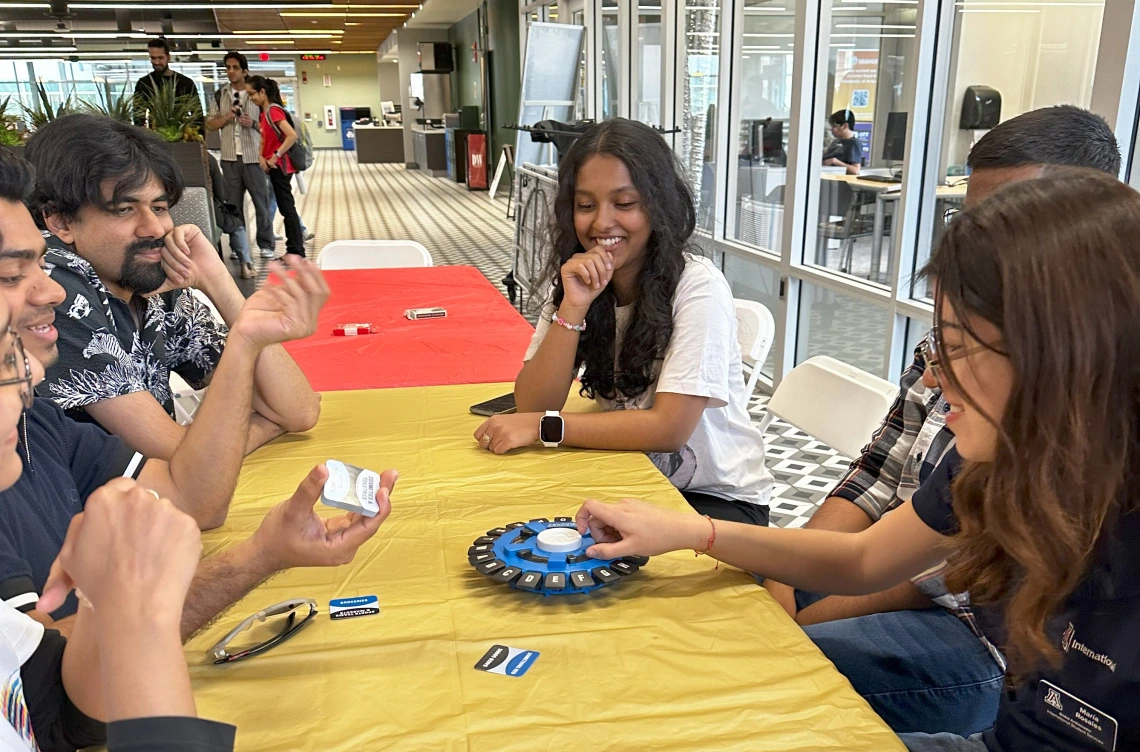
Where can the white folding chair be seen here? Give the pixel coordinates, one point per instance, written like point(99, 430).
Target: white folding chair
point(836, 403)
point(755, 329)
point(373, 254)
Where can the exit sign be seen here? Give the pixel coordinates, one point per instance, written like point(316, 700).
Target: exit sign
point(312, 57)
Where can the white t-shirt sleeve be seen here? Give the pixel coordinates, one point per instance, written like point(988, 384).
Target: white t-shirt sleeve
point(699, 356)
point(540, 330)
point(20, 632)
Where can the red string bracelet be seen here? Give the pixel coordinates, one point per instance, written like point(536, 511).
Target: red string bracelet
point(710, 542)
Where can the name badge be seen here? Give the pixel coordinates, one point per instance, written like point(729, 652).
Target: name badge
point(1056, 708)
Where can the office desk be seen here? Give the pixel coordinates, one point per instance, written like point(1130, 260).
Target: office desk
point(890, 192)
point(679, 656)
point(377, 144)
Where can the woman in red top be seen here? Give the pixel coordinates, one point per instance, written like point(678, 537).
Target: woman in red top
point(277, 136)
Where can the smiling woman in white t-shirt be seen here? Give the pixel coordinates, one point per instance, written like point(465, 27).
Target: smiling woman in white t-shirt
point(650, 326)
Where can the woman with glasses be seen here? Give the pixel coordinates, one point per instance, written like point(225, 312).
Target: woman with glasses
point(1037, 353)
point(132, 555)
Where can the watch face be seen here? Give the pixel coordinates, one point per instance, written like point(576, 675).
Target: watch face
point(550, 429)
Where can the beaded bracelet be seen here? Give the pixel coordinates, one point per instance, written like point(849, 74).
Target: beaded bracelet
point(711, 540)
point(563, 322)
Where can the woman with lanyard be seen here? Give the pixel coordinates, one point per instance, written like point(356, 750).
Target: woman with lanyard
point(1036, 510)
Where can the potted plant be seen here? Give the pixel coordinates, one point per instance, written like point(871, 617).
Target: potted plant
point(44, 112)
point(174, 118)
point(117, 105)
point(10, 134)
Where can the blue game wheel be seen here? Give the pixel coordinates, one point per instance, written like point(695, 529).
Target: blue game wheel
point(548, 557)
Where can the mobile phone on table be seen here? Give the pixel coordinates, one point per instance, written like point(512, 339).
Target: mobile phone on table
point(498, 406)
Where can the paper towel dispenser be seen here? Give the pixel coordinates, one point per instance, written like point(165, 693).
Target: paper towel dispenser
point(981, 108)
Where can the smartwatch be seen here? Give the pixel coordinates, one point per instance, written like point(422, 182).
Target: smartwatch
point(551, 429)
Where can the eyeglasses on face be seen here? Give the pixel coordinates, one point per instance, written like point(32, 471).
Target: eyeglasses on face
point(936, 360)
point(16, 361)
point(289, 609)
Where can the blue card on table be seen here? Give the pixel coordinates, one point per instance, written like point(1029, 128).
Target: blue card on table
point(346, 608)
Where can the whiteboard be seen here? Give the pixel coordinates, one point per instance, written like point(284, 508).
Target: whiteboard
point(550, 82)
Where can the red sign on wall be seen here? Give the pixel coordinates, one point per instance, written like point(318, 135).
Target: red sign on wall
point(476, 161)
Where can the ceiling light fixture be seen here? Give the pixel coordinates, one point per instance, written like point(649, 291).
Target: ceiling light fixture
point(874, 26)
point(303, 14)
point(188, 6)
point(301, 32)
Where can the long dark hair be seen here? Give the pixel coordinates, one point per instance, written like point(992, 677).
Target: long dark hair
point(1051, 263)
point(668, 201)
point(269, 86)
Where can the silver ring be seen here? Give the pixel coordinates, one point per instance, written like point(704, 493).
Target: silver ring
point(486, 439)
point(154, 493)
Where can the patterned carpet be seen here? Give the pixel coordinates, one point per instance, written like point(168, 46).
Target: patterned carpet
point(345, 200)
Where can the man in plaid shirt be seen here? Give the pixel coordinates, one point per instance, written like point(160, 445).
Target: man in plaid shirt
point(916, 651)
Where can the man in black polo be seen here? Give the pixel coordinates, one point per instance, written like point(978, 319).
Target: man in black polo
point(162, 75)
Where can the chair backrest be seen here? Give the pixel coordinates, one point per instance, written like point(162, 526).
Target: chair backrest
point(194, 209)
point(755, 328)
point(373, 254)
point(836, 403)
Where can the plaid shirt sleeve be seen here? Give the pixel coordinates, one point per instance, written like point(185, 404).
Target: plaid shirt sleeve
point(872, 480)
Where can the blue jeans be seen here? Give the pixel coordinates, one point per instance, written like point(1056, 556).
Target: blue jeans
point(922, 671)
point(239, 244)
point(943, 742)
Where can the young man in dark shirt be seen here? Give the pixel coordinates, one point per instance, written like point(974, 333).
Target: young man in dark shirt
point(163, 75)
point(845, 150)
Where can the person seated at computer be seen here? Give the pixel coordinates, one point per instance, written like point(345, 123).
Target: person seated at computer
point(129, 318)
point(845, 150)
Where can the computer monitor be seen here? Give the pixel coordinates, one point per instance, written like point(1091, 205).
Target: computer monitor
point(894, 141)
point(773, 140)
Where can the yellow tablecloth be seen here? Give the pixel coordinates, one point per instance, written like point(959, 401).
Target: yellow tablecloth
point(676, 657)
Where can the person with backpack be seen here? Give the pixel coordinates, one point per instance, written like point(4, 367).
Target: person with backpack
point(278, 137)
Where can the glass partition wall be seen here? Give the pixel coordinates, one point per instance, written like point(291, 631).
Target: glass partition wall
point(825, 144)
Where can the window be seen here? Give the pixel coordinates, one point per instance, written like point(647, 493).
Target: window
point(869, 57)
point(1033, 54)
point(765, 111)
point(700, 78)
point(580, 103)
point(649, 72)
point(752, 281)
point(916, 331)
point(610, 44)
point(844, 327)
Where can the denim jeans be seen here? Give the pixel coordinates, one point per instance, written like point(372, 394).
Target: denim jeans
point(923, 671)
point(943, 743)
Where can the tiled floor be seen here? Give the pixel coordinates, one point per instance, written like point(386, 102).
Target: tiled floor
point(345, 200)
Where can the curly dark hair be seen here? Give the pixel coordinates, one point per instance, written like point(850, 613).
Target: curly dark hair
point(668, 200)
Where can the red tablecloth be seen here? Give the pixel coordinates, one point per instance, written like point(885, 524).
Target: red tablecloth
point(482, 340)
